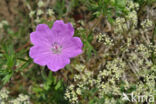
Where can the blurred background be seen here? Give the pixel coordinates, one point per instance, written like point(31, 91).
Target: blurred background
point(119, 52)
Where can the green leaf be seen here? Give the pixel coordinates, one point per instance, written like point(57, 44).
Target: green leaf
point(37, 89)
point(7, 78)
point(58, 85)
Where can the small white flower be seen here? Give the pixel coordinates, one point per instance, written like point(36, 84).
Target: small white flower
point(31, 14)
point(39, 12)
point(40, 3)
point(50, 12)
point(78, 91)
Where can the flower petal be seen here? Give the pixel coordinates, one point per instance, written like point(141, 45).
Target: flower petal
point(72, 47)
point(42, 60)
point(58, 62)
point(39, 54)
point(63, 29)
point(42, 27)
point(45, 37)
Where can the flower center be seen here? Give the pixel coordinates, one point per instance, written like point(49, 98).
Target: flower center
point(56, 48)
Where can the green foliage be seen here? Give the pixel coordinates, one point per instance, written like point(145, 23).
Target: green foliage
point(88, 48)
point(50, 91)
point(107, 8)
point(7, 63)
point(144, 2)
point(60, 8)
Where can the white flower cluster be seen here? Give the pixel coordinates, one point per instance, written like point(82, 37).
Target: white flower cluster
point(50, 12)
point(79, 67)
point(21, 99)
point(131, 5)
point(36, 15)
point(6, 99)
point(108, 80)
point(130, 21)
point(147, 85)
point(140, 58)
point(105, 39)
point(146, 24)
point(71, 95)
point(83, 79)
point(40, 4)
point(2, 23)
point(87, 81)
point(4, 94)
point(142, 65)
point(113, 72)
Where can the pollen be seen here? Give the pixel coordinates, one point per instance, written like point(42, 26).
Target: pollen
point(56, 48)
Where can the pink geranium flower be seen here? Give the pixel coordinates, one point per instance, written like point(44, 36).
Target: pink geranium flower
point(54, 47)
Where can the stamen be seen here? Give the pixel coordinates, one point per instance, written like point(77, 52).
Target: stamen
point(56, 48)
